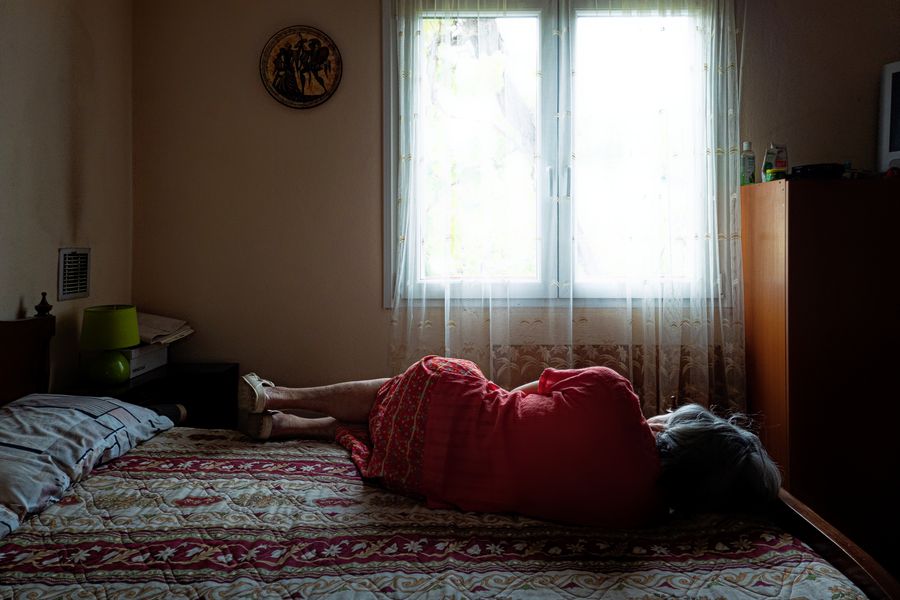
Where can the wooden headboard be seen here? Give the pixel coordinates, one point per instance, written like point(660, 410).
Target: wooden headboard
point(25, 356)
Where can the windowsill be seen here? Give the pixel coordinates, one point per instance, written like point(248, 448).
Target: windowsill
point(550, 303)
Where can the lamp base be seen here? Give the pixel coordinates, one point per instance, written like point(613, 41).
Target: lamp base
point(106, 368)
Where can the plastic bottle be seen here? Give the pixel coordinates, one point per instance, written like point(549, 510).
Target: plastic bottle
point(765, 173)
point(748, 164)
point(775, 164)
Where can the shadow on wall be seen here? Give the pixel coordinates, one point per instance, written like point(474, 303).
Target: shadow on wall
point(21, 312)
point(81, 84)
point(64, 351)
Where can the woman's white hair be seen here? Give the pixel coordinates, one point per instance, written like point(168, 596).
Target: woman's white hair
point(713, 464)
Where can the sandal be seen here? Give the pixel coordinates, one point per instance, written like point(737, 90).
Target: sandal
point(259, 425)
point(251, 397)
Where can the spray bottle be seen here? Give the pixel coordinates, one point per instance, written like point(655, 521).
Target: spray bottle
point(775, 164)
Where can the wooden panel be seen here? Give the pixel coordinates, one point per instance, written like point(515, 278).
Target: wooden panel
point(764, 234)
point(822, 330)
point(843, 351)
point(25, 356)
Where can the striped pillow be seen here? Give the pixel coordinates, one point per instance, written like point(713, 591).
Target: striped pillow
point(48, 442)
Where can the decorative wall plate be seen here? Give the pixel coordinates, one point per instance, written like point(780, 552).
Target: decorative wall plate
point(300, 66)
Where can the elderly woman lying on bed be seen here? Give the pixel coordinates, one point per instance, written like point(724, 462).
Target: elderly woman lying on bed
point(572, 447)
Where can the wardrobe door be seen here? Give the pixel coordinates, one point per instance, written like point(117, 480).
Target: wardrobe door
point(764, 238)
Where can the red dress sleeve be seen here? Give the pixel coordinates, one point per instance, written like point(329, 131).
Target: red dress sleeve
point(550, 377)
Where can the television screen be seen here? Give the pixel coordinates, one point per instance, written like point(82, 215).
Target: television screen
point(894, 136)
point(889, 122)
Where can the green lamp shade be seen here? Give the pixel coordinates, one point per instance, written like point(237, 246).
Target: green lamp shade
point(109, 327)
point(105, 329)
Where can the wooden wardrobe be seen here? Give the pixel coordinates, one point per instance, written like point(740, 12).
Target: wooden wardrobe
point(822, 320)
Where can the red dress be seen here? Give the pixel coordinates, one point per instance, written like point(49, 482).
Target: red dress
point(578, 451)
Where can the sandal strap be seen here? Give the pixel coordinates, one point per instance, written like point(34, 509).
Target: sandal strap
point(257, 379)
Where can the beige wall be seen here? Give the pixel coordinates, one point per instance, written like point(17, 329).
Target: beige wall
point(811, 76)
point(262, 224)
point(65, 156)
point(258, 223)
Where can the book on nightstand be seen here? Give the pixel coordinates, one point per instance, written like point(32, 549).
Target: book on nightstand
point(145, 357)
point(156, 333)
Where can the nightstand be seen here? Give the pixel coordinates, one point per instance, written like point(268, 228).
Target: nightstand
point(207, 390)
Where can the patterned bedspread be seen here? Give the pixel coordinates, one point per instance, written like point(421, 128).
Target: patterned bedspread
point(206, 514)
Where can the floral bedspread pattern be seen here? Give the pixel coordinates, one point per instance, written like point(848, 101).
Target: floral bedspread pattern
point(206, 514)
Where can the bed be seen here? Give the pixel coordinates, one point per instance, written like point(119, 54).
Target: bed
point(207, 513)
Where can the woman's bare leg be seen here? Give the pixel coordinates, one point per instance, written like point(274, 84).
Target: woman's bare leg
point(273, 424)
point(291, 426)
point(350, 402)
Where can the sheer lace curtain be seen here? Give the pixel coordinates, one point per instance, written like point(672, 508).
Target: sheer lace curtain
point(566, 191)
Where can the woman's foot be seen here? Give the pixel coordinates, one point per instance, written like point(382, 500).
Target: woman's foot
point(251, 397)
point(176, 412)
point(273, 424)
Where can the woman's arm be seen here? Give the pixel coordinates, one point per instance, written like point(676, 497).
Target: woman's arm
point(528, 388)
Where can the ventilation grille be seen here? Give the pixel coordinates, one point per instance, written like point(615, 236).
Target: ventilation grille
point(74, 273)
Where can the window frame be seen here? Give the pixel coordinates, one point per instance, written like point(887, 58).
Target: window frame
point(544, 288)
point(555, 178)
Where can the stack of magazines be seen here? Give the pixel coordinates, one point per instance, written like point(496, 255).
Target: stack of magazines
point(155, 329)
point(156, 334)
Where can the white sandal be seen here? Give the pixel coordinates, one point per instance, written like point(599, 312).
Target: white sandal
point(259, 425)
point(251, 395)
point(251, 398)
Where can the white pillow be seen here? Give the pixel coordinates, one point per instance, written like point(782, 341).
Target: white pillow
point(48, 442)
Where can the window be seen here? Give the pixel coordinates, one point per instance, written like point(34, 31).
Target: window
point(547, 150)
point(479, 139)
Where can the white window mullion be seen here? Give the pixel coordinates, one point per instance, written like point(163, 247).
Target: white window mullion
point(551, 149)
point(564, 246)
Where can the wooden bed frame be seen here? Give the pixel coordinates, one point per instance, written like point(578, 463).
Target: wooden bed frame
point(25, 356)
point(25, 368)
